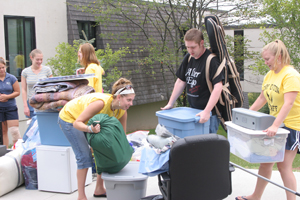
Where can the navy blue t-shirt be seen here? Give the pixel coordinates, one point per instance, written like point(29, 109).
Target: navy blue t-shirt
point(193, 73)
point(6, 87)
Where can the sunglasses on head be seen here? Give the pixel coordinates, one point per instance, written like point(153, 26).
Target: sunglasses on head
point(121, 90)
point(127, 87)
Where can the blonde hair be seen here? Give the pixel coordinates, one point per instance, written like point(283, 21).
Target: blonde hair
point(122, 82)
point(277, 48)
point(88, 55)
point(194, 35)
point(34, 52)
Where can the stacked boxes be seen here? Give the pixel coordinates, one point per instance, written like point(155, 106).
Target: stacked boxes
point(56, 161)
point(249, 142)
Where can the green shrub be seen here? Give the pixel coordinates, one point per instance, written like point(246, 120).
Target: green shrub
point(252, 97)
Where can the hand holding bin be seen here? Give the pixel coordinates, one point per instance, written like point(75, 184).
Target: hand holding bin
point(255, 146)
point(182, 121)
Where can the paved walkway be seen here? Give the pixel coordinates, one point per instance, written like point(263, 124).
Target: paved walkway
point(242, 182)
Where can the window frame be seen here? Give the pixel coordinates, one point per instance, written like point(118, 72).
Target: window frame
point(33, 36)
point(90, 25)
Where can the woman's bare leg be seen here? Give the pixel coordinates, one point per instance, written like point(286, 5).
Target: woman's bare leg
point(4, 134)
point(99, 186)
point(265, 170)
point(81, 177)
point(286, 171)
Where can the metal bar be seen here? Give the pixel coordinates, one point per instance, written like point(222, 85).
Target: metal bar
point(259, 176)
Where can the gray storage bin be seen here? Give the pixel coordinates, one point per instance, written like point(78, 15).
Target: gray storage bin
point(127, 184)
point(251, 119)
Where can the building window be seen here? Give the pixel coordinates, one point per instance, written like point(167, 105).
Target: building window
point(239, 52)
point(89, 29)
point(19, 42)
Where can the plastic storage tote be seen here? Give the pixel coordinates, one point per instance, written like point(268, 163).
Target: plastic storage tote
point(50, 132)
point(182, 121)
point(255, 146)
point(127, 184)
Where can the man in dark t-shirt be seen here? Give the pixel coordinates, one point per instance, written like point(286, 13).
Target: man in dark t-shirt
point(191, 74)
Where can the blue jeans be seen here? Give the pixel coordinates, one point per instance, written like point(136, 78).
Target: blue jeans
point(79, 144)
point(214, 124)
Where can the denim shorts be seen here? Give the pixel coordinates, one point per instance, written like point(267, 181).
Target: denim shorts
point(79, 144)
point(293, 139)
point(10, 113)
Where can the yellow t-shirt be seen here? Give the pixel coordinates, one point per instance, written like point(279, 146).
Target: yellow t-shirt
point(275, 85)
point(95, 82)
point(75, 107)
point(19, 59)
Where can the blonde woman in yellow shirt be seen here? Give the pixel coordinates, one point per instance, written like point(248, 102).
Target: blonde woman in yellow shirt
point(280, 89)
point(74, 117)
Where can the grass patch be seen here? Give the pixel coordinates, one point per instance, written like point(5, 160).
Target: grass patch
point(243, 163)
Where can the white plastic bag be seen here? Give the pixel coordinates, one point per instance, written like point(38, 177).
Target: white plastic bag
point(137, 138)
point(162, 131)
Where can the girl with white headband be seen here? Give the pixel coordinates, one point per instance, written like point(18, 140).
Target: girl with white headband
point(73, 120)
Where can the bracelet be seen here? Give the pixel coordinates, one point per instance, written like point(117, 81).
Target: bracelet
point(90, 128)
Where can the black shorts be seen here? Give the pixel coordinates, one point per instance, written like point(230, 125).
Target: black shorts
point(293, 139)
point(10, 113)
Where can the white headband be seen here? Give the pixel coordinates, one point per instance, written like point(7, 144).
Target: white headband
point(126, 91)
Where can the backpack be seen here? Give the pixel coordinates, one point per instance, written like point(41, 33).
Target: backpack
point(232, 93)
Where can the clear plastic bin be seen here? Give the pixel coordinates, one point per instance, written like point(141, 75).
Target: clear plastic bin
point(255, 146)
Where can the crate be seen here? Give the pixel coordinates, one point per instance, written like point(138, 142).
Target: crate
point(182, 121)
point(50, 132)
point(255, 146)
point(127, 184)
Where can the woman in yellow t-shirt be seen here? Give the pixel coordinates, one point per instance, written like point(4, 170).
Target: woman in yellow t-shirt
point(281, 90)
point(75, 115)
point(88, 59)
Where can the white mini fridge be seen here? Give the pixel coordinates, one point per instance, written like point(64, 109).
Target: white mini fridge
point(56, 168)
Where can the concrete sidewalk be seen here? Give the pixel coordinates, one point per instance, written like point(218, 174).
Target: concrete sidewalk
point(243, 183)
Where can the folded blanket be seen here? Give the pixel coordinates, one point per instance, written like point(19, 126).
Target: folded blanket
point(57, 100)
point(58, 86)
point(55, 105)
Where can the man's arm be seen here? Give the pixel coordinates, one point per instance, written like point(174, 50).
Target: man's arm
point(213, 99)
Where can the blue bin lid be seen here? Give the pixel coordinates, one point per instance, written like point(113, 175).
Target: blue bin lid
point(180, 114)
